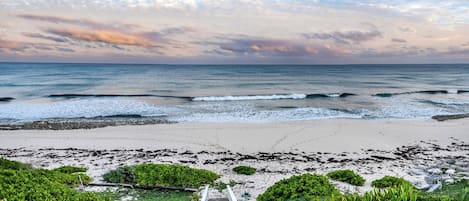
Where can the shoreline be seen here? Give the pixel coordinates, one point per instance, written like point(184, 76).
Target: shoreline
point(136, 120)
point(373, 148)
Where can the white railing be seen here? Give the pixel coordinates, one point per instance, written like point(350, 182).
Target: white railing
point(205, 194)
point(231, 195)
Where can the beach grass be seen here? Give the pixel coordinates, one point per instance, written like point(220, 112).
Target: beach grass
point(300, 187)
point(347, 176)
point(389, 181)
point(246, 170)
point(19, 181)
point(13, 165)
point(309, 187)
point(155, 175)
point(70, 169)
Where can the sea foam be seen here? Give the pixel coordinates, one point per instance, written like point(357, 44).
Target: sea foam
point(272, 97)
point(85, 108)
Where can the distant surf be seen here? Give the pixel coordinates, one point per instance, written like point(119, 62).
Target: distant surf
point(271, 97)
point(89, 108)
point(69, 96)
point(422, 92)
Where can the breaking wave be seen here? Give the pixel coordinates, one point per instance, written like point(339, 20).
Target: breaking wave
point(84, 108)
point(271, 97)
point(422, 92)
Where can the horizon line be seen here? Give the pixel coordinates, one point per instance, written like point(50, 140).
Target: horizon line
point(227, 64)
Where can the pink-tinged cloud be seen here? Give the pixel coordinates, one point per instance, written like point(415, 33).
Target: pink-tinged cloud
point(80, 22)
point(11, 45)
point(276, 47)
point(346, 37)
point(398, 40)
point(22, 47)
point(44, 37)
point(104, 36)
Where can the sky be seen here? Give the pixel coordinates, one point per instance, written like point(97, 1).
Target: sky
point(235, 32)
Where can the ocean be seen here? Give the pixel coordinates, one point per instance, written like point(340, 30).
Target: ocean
point(231, 93)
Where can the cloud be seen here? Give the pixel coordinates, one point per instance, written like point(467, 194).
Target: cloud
point(275, 47)
point(457, 51)
point(62, 49)
point(23, 47)
point(40, 36)
point(164, 34)
point(80, 22)
point(12, 45)
point(407, 29)
point(113, 34)
point(176, 30)
point(345, 37)
point(104, 36)
point(398, 40)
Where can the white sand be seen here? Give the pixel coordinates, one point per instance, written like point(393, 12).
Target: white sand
point(336, 135)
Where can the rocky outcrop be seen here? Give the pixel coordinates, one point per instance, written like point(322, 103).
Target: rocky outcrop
point(450, 117)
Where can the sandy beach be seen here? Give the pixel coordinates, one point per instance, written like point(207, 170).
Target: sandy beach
point(335, 135)
point(374, 148)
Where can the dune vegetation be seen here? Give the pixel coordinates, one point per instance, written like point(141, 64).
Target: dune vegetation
point(154, 175)
point(246, 170)
point(347, 176)
point(308, 187)
point(19, 181)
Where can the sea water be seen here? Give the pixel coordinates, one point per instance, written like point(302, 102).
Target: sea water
point(231, 93)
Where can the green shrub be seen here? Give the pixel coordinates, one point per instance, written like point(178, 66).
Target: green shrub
point(70, 169)
point(302, 187)
point(161, 175)
point(399, 191)
point(13, 165)
point(19, 181)
point(389, 181)
point(68, 179)
point(124, 175)
point(347, 176)
point(246, 170)
point(38, 184)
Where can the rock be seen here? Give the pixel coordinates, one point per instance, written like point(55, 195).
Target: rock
point(461, 164)
point(434, 188)
point(82, 123)
point(449, 181)
point(416, 172)
point(450, 171)
point(422, 186)
point(434, 171)
point(449, 117)
point(445, 177)
point(6, 99)
point(432, 179)
point(385, 158)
